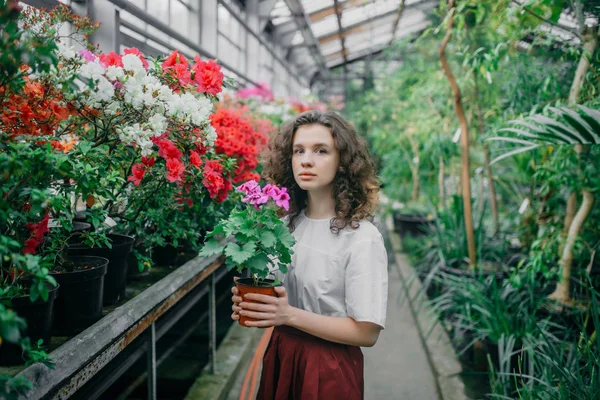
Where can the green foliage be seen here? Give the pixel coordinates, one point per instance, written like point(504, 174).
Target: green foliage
point(261, 240)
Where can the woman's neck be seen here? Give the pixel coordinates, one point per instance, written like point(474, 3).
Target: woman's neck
point(321, 204)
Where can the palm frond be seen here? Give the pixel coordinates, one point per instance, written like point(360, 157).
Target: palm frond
point(565, 127)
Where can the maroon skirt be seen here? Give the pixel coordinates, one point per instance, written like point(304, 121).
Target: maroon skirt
point(299, 366)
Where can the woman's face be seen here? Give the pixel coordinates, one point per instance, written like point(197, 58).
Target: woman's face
point(315, 159)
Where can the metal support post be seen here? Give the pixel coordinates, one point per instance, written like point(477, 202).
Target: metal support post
point(212, 323)
point(151, 362)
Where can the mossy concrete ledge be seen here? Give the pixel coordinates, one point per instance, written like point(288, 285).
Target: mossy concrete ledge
point(233, 355)
point(442, 356)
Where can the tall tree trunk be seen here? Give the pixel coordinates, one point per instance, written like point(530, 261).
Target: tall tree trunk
point(464, 139)
point(562, 291)
point(574, 221)
point(589, 46)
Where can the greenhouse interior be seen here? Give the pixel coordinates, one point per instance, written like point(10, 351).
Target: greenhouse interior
point(300, 199)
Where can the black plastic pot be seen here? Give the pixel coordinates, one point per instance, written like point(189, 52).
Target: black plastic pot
point(165, 256)
point(38, 316)
point(116, 274)
point(79, 226)
point(79, 302)
point(411, 224)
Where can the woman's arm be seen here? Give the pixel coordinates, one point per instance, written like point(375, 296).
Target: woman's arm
point(275, 311)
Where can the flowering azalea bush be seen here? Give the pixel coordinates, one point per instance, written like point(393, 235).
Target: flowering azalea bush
point(261, 238)
point(238, 138)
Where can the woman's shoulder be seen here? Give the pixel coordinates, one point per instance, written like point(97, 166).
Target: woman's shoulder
point(366, 231)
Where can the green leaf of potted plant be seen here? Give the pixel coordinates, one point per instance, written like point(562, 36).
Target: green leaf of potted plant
point(263, 243)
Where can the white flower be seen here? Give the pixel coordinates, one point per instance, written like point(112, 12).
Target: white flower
point(175, 105)
point(105, 89)
point(91, 70)
point(113, 72)
point(158, 123)
point(211, 135)
point(66, 51)
point(113, 108)
point(147, 98)
point(131, 62)
point(165, 93)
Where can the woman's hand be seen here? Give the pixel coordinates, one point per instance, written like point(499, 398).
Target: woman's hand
point(236, 299)
point(269, 311)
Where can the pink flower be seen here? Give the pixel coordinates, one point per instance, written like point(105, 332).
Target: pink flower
point(87, 55)
point(249, 187)
point(283, 199)
point(256, 199)
point(176, 169)
point(271, 190)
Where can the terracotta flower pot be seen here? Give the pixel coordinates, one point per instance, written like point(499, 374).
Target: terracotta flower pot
point(246, 285)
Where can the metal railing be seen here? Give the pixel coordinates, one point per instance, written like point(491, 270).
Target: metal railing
point(135, 327)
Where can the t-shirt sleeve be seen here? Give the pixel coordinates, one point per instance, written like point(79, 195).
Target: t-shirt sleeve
point(366, 282)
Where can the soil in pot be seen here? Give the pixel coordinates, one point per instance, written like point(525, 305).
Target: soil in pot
point(116, 274)
point(412, 224)
point(247, 285)
point(79, 302)
point(38, 316)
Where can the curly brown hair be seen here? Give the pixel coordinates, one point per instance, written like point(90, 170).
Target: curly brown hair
point(355, 186)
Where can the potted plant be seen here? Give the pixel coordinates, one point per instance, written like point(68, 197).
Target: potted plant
point(263, 243)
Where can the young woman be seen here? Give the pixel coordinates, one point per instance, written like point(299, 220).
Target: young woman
point(334, 297)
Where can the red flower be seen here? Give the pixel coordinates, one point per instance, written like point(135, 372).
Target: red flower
point(148, 161)
point(167, 149)
point(237, 138)
point(30, 246)
point(173, 59)
point(175, 168)
point(195, 159)
point(137, 174)
point(111, 58)
point(138, 53)
point(208, 77)
point(183, 74)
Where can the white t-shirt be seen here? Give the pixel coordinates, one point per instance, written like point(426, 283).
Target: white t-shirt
point(342, 275)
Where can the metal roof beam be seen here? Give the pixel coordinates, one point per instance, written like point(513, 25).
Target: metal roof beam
point(338, 14)
point(303, 23)
point(397, 20)
point(318, 15)
point(362, 25)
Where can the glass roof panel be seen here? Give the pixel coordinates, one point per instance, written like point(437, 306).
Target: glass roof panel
point(325, 26)
point(366, 25)
point(331, 47)
point(311, 6)
point(280, 13)
point(355, 15)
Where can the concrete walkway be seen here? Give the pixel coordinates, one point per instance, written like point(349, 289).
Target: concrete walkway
point(398, 367)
